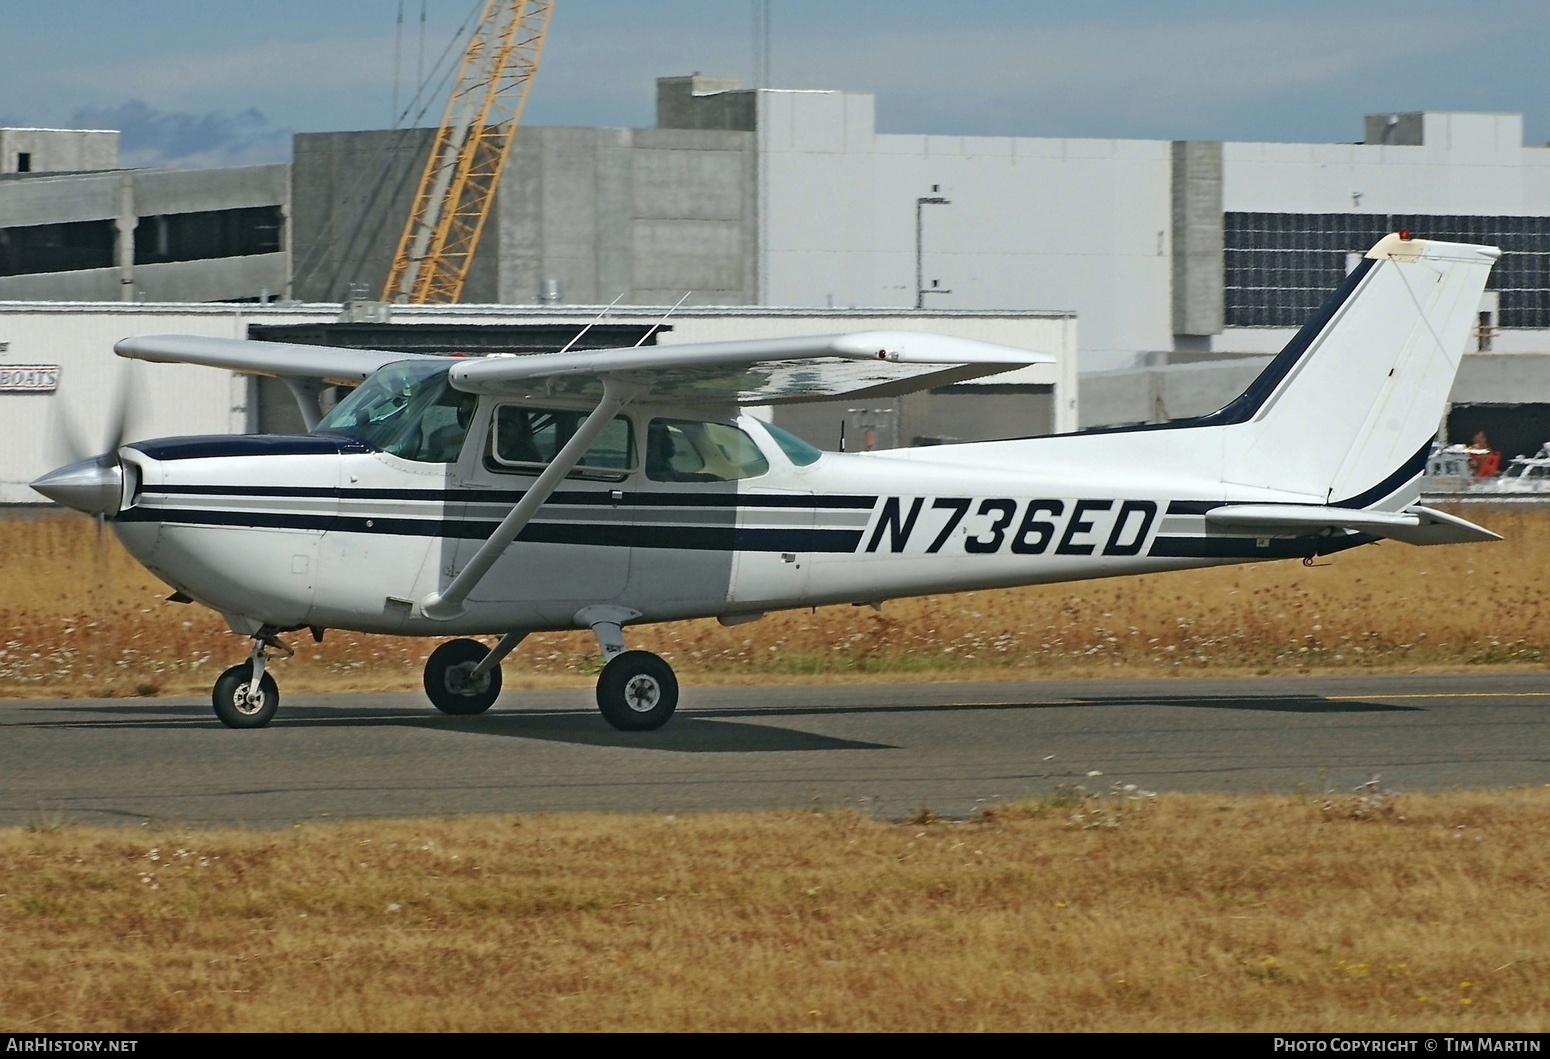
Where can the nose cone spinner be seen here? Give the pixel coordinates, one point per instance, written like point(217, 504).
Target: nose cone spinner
point(95, 486)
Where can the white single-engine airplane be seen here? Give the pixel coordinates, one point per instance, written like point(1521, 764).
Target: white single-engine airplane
point(506, 494)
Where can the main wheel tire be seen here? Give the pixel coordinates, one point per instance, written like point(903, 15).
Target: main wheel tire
point(233, 705)
point(447, 683)
point(637, 692)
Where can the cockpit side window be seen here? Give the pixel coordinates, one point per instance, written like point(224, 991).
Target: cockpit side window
point(523, 440)
point(408, 410)
point(685, 450)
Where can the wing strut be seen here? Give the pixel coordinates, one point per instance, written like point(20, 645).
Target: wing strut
point(448, 603)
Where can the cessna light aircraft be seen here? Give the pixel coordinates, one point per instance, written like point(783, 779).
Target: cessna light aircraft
point(597, 489)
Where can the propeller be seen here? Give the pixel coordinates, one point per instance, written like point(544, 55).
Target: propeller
point(68, 443)
point(88, 481)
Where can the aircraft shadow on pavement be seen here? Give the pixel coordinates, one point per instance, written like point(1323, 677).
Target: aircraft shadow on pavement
point(684, 734)
point(694, 735)
point(1266, 703)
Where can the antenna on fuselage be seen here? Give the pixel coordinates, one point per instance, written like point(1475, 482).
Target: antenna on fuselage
point(584, 330)
point(659, 323)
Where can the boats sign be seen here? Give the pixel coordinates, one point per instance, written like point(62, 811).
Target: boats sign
point(29, 378)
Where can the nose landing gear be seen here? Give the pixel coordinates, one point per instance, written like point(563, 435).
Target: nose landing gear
point(245, 696)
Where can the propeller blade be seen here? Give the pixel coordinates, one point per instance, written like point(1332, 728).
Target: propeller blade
point(65, 443)
point(119, 414)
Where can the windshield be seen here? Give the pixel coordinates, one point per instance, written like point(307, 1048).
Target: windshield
point(406, 409)
point(797, 450)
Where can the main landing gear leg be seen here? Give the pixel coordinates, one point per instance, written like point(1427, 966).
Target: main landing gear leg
point(245, 696)
point(636, 691)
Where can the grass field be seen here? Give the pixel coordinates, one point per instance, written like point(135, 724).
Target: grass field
point(1368, 911)
point(1363, 911)
point(80, 617)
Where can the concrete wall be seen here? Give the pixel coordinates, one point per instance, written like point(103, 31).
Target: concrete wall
point(59, 150)
point(351, 193)
point(645, 215)
point(59, 199)
point(594, 214)
point(1197, 238)
point(126, 195)
point(698, 102)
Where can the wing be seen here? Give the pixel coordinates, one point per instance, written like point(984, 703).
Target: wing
point(329, 364)
point(762, 371)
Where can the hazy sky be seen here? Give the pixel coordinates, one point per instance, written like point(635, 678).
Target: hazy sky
point(196, 83)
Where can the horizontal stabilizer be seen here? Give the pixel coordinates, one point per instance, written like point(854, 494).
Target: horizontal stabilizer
point(1414, 525)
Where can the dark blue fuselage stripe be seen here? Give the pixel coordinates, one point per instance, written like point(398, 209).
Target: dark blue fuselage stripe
point(501, 496)
point(219, 446)
point(618, 535)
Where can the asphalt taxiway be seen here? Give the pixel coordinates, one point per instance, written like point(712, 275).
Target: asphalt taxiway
point(887, 749)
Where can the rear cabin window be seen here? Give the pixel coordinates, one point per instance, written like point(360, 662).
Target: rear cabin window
point(682, 450)
point(524, 440)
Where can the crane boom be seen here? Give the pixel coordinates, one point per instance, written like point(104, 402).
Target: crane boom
point(468, 154)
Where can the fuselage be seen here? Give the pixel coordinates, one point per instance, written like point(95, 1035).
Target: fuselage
point(324, 530)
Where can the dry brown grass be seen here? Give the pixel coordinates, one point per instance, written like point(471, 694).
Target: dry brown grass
point(1367, 912)
point(81, 617)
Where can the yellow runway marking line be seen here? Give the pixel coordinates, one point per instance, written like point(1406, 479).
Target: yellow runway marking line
point(1445, 695)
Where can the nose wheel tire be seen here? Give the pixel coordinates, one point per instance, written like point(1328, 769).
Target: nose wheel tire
point(235, 707)
point(448, 680)
point(637, 692)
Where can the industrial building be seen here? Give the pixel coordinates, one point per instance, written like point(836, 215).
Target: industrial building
point(74, 226)
point(1187, 263)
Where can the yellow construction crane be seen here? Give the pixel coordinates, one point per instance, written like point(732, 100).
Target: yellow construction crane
point(469, 152)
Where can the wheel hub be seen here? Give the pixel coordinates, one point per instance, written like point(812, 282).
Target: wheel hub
point(247, 703)
point(642, 693)
point(459, 680)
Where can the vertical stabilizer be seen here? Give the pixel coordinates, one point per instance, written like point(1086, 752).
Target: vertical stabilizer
point(1346, 413)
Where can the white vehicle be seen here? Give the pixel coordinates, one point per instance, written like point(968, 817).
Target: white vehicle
point(1524, 474)
point(1452, 467)
point(502, 495)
